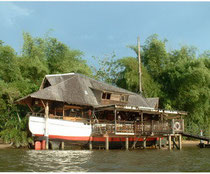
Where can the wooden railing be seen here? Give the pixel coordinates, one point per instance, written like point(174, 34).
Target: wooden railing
point(135, 128)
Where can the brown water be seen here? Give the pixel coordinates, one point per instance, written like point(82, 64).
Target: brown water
point(191, 159)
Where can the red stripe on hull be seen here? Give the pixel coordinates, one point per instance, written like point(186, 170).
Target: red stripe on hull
point(102, 139)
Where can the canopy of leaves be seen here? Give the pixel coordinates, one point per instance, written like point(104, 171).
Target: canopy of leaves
point(180, 78)
point(22, 74)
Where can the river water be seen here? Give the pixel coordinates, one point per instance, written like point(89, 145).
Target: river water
point(191, 159)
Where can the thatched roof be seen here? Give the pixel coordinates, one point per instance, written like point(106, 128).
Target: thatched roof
point(80, 90)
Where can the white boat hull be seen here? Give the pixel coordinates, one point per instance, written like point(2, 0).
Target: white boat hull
point(59, 129)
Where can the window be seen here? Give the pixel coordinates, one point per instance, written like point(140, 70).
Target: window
point(124, 98)
point(106, 96)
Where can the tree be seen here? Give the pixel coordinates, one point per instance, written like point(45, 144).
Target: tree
point(154, 56)
point(22, 74)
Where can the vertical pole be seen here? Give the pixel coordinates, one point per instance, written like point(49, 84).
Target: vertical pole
point(126, 143)
point(172, 126)
point(107, 142)
point(90, 144)
point(169, 142)
point(139, 58)
point(62, 145)
point(160, 142)
point(46, 125)
point(63, 111)
point(115, 120)
point(201, 133)
point(142, 120)
point(145, 143)
point(180, 141)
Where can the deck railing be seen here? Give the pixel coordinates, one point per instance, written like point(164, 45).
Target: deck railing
point(135, 128)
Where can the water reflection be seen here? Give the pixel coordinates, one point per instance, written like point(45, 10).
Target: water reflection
point(61, 161)
point(190, 159)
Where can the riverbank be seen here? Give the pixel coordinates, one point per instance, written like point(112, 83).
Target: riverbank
point(190, 142)
point(5, 146)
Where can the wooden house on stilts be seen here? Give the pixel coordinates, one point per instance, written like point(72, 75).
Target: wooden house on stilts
point(79, 110)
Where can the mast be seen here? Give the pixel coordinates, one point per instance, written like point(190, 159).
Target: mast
point(139, 58)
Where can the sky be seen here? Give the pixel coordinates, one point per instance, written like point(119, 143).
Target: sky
point(101, 28)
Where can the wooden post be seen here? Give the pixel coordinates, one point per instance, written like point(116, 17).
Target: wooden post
point(142, 120)
point(126, 143)
point(145, 143)
point(180, 141)
point(63, 111)
point(172, 126)
point(139, 58)
point(107, 142)
point(46, 125)
point(90, 144)
point(115, 120)
point(160, 143)
point(169, 142)
point(62, 145)
point(152, 128)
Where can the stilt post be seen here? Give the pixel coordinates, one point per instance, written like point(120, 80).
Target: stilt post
point(107, 142)
point(169, 142)
point(160, 143)
point(126, 143)
point(145, 143)
point(180, 141)
point(62, 145)
point(90, 144)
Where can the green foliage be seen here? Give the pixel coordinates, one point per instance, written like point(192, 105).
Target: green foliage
point(15, 132)
point(180, 78)
point(108, 70)
point(22, 74)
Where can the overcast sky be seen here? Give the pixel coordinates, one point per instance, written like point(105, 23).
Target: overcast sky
point(99, 28)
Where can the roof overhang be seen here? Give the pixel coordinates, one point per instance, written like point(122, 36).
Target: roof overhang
point(148, 110)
